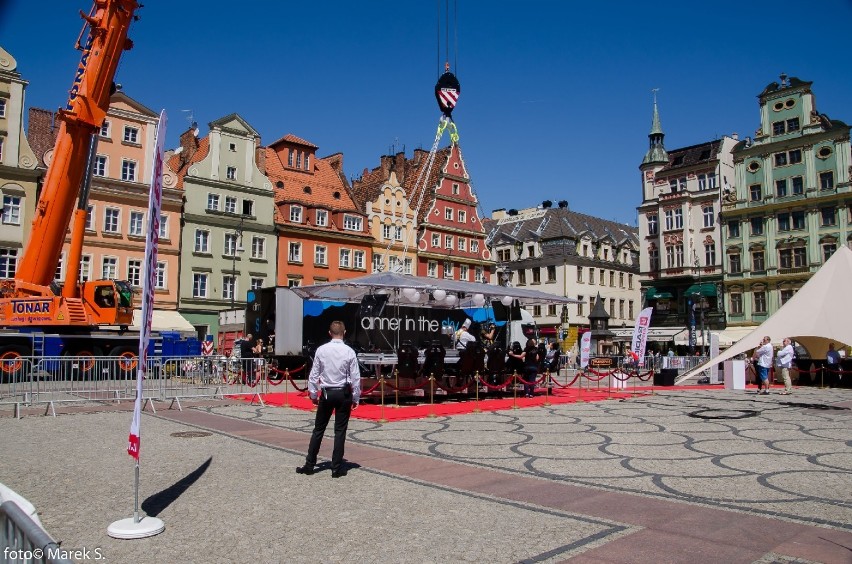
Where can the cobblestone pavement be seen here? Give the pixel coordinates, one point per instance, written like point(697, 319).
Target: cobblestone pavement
point(703, 476)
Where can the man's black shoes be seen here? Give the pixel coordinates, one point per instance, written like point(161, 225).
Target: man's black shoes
point(338, 473)
point(306, 469)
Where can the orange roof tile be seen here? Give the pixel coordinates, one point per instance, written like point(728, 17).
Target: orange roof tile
point(180, 166)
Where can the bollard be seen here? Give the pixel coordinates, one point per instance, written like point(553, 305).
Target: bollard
point(286, 388)
point(580, 387)
point(476, 385)
point(382, 386)
point(635, 393)
point(431, 395)
point(515, 390)
point(546, 388)
point(396, 391)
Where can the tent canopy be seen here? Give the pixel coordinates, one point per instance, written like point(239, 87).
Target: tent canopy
point(817, 315)
point(353, 289)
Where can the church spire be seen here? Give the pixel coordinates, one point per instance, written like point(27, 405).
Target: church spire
point(656, 150)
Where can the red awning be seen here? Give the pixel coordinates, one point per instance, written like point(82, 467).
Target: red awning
point(547, 331)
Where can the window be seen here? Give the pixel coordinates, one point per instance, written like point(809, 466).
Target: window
point(522, 277)
point(828, 249)
point(733, 229)
point(131, 134)
point(213, 202)
point(352, 223)
point(231, 243)
point(601, 275)
point(322, 218)
point(654, 258)
point(702, 182)
point(378, 261)
point(8, 262)
point(479, 274)
point(109, 268)
point(230, 204)
point(580, 306)
point(551, 310)
point(736, 303)
point(294, 253)
point(536, 275)
point(709, 254)
point(455, 189)
point(258, 247)
point(448, 269)
point(406, 266)
point(798, 185)
point(295, 213)
point(232, 147)
point(798, 218)
point(137, 220)
point(795, 156)
point(436, 240)
point(164, 227)
point(778, 128)
point(630, 283)
point(134, 273)
point(612, 306)
point(709, 216)
point(786, 295)
point(580, 274)
point(781, 188)
point(290, 157)
point(345, 258)
point(621, 309)
point(448, 241)
point(780, 159)
point(231, 173)
point(669, 219)
point(536, 311)
point(800, 257)
point(591, 275)
point(432, 269)
point(612, 278)
point(229, 287)
point(464, 272)
point(307, 161)
point(785, 258)
point(462, 243)
point(202, 241)
point(755, 192)
point(828, 216)
point(104, 132)
point(100, 166)
point(448, 214)
point(358, 259)
point(462, 216)
point(756, 225)
point(298, 159)
point(293, 282)
point(256, 283)
point(128, 171)
point(734, 263)
point(320, 256)
point(12, 209)
point(792, 258)
point(199, 285)
point(783, 222)
point(60, 269)
point(653, 226)
point(678, 218)
point(85, 268)
point(759, 301)
point(111, 219)
point(670, 256)
point(826, 180)
point(758, 261)
point(792, 124)
point(474, 247)
point(160, 276)
point(386, 231)
point(551, 274)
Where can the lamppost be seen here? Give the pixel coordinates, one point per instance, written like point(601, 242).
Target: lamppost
point(238, 237)
point(698, 302)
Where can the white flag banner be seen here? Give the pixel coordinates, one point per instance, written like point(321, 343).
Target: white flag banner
point(640, 333)
point(585, 348)
point(148, 284)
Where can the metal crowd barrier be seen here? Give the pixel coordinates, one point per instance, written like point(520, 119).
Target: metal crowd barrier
point(23, 540)
point(48, 381)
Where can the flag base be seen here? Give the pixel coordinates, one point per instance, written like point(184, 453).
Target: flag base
point(127, 529)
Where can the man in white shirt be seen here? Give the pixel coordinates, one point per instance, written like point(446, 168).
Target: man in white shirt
point(785, 361)
point(763, 356)
point(463, 337)
point(334, 385)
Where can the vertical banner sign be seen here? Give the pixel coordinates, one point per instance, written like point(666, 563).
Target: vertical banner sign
point(640, 333)
point(148, 284)
point(692, 337)
point(585, 348)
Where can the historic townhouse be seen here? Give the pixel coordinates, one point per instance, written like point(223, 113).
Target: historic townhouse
point(791, 205)
point(569, 254)
point(322, 234)
point(390, 215)
point(228, 244)
point(681, 259)
point(18, 168)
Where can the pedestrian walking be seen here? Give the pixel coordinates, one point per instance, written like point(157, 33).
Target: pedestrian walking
point(334, 385)
point(832, 365)
point(785, 362)
point(763, 357)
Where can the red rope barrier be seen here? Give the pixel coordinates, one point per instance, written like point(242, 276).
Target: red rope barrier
point(497, 386)
point(568, 385)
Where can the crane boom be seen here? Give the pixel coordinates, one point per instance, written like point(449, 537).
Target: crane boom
point(88, 102)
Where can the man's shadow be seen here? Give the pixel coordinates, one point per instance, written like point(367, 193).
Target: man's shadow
point(157, 502)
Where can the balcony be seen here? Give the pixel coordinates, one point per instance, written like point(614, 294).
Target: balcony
point(794, 270)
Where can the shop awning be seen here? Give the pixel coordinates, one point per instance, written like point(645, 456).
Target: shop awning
point(654, 294)
point(707, 289)
point(164, 320)
point(659, 334)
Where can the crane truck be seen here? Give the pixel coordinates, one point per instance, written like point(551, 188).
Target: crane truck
point(38, 316)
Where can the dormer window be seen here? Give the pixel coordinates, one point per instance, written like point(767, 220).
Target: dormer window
point(296, 214)
point(307, 161)
point(290, 157)
point(299, 159)
point(322, 218)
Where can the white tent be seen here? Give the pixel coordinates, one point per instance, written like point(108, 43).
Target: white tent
point(820, 313)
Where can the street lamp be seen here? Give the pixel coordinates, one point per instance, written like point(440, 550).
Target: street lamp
point(238, 238)
point(698, 302)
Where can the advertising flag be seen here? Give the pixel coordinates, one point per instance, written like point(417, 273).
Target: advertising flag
point(640, 333)
point(585, 348)
point(148, 284)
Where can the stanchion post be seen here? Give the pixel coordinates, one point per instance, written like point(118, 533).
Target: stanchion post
point(396, 390)
point(476, 386)
point(822, 378)
point(515, 389)
point(382, 386)
point(635, 378)
point(580, 387)
point(286, 388)
point(547, 388)
point(431, 395)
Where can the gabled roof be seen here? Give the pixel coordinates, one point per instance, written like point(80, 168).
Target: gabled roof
point(566, 223)
point(179, 164)
point(120, 96)
point(691, 156)
point(290, 138)
point(224, 121)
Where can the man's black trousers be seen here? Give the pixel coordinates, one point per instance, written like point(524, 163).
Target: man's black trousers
point(340, 402)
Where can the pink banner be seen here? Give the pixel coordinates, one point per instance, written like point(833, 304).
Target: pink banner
point(640, 333)
point(585, 348)
point(149, 283)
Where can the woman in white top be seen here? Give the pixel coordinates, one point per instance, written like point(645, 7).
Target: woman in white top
point(785, 361)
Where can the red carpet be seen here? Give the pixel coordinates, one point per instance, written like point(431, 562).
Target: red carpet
point(414, 408)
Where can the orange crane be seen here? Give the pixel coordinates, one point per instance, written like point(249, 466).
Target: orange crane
point(32, 299)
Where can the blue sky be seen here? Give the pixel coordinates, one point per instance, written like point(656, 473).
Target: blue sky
point(556, 96)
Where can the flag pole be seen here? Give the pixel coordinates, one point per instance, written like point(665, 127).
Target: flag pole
point(136, 527)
